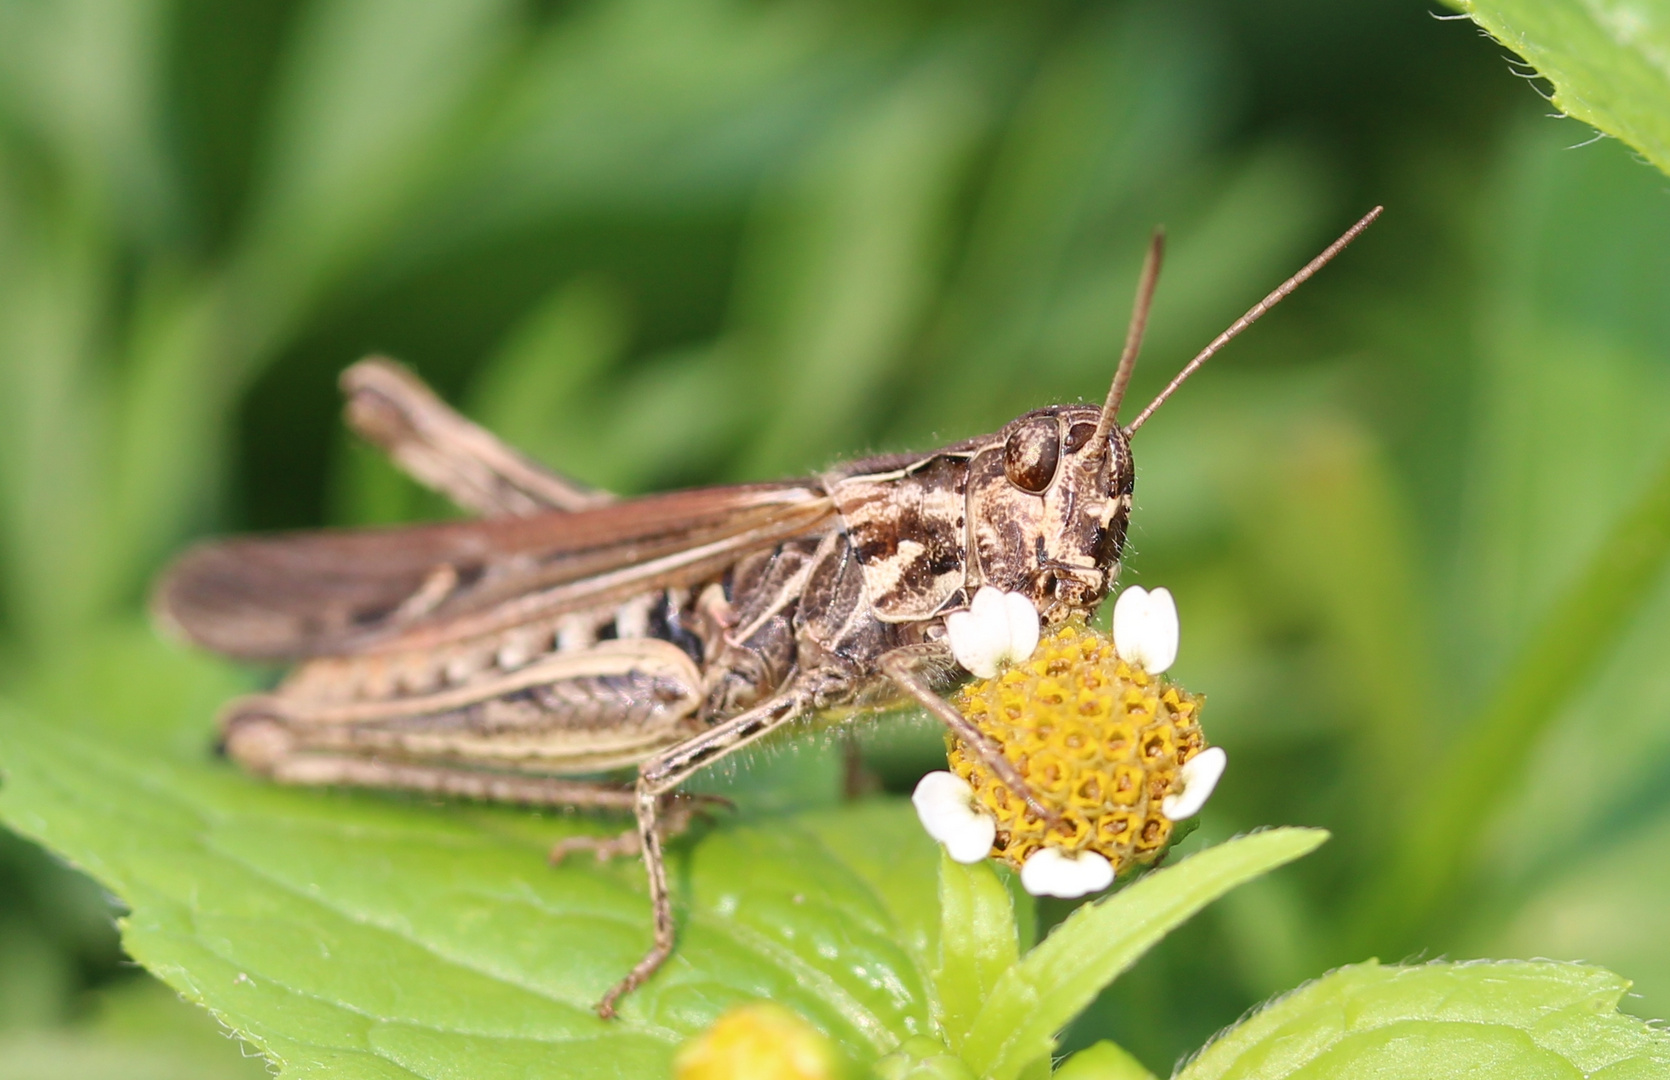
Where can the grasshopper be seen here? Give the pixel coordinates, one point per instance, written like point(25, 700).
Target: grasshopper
point(565, 632)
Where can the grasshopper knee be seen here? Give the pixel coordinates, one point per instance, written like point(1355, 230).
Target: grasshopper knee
point(255, 738)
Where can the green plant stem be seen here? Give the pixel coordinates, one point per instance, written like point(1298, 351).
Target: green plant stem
point(1429, 865)
point(977, 943)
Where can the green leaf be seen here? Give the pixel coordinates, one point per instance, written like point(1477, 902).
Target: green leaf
point(1103, 1061)
point(1513, 1020)
point(1053, 982)
point(978, 942)
point(1609, 61)
point(352, 935)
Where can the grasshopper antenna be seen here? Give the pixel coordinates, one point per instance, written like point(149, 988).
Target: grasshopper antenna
point(1133, 335)
point(1252, 316)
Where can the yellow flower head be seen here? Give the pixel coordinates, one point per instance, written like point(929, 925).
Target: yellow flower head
point(1100, 741)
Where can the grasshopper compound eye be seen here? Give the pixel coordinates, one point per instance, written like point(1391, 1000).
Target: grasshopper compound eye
point(1031, 454)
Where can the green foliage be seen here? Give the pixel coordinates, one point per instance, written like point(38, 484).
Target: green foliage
point(1582, 625)
point(1487, 1020)
point(138, 1030)
point(286, 913)
point(1609, 63)
point(1057, 979)
point(283, 912)
point(1415, 519)
point(348, 936)
point(1102, 1061)
point(977, 945)
point(922, 1057)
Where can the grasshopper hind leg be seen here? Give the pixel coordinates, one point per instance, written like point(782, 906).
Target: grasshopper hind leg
point(393, 409)
point(264, 747)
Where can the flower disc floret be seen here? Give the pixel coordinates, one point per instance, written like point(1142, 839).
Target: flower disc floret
point(1101, 741)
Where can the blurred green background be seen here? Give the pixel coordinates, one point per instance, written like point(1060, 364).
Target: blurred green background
point(663, 242)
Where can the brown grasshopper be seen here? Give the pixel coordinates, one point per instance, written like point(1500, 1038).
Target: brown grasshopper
point(566, 633)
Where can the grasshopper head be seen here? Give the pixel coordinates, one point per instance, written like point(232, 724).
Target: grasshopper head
point(1051, 504)
point(1074, 462)
point(1051, 496)
point(1054, 527)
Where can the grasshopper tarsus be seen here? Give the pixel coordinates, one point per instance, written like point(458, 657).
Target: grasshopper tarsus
point(603, 848)
point(640, 973)
point(680, 813)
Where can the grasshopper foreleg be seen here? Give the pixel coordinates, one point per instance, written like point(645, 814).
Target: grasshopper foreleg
point(904, 667)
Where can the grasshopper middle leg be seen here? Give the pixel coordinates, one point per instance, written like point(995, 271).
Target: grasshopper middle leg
point(658, 779)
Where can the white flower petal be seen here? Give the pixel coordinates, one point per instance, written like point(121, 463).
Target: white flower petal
point(981, 635)
point(1161, 645)
point(988, 603)
point(976, 643)
point(997, 628)
point(1051, 872)
point(1130, 613)
point(945, 804)
point(970, 645)
point(1023, 626)
point(1198, 777)
point(1145, 629)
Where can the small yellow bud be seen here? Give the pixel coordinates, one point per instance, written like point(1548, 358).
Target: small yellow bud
point(1099, 741)
point(758, 1041)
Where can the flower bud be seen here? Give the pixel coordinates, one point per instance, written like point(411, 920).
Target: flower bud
point(758, 1041)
